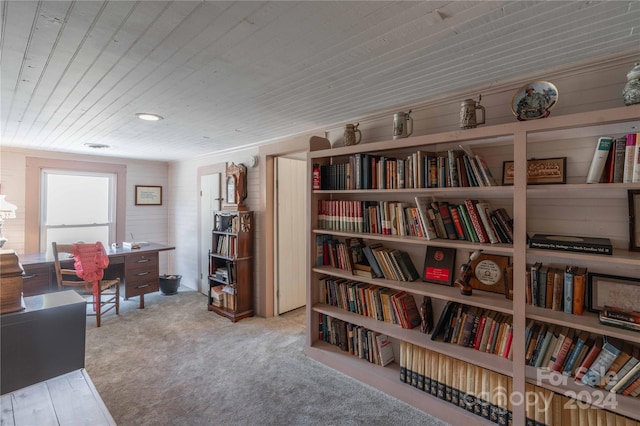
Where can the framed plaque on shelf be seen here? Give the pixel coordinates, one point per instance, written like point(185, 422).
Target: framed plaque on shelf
point(488, 273)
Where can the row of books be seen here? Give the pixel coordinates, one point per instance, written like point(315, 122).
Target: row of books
point(381, 303)
point(471, 220)
point(226, 245)
point(468, 386)
point(480, 329)
point(590, 359)
point(421, 169)
point(371, 261)
point(560, 289)
point(490, 394)
point(226, 222)
point(616, 160)
point(376, 217)
point(358, 341)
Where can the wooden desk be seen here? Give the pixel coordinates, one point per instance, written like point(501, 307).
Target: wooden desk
point(69, 399)
point(138, 269)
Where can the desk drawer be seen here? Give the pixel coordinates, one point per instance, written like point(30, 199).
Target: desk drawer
point(38, 279)
point(141, 274)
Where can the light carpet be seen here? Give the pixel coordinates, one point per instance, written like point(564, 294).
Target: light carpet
point(176, 363)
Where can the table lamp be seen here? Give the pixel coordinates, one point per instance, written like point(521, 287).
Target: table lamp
point(7, 211)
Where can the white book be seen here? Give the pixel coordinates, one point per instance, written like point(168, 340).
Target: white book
point(629, 152)
point(636, 161)
point(484, 210)
point(623, 380)
point(605, 358)
point(385, 349)
point(424, 205)
point(599, 159)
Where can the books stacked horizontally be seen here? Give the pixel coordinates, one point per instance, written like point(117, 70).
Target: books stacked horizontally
point(573, 243)
point(421, 169)
point(591, 359)
point(616, 160)
point(359, 341)
point(223, 296)
point(480, 329)
point(560, 289)
point(472, 388)
point(619, 317)
point(382, 303)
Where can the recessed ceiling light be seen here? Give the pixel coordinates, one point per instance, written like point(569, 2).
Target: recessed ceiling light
point(149, 117)
point(96, 145)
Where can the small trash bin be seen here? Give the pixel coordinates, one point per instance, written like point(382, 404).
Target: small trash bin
point(169, 284)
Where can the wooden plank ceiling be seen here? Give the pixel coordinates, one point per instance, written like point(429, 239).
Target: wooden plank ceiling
point(231, 74)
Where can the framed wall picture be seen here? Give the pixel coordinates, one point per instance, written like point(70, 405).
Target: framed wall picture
point(148, 195)
point(634, 219)
point(543, 171)
point(438, 265)
point(611, 290)
point(488, 273)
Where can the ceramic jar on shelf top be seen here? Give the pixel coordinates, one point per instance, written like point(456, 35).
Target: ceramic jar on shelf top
point(631, 91)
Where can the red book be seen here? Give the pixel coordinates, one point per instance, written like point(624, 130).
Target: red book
point(588, 360)
point(478, 339)
point(476, 221)
point(456, 222)
point(564, 350)
point(443, 208)
point(507, 346)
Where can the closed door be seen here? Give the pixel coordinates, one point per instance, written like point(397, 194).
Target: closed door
point(209, 201)
point(291, 215)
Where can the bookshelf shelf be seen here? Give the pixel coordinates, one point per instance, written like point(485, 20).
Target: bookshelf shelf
point(485, 300)
point(388, 378)
point(413, 336)
point(552, 380)
point(574, 208)
point(459, 244)
point(588, 321)
point(620, 256)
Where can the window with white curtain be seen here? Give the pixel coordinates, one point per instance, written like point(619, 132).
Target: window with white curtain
point(77, 206)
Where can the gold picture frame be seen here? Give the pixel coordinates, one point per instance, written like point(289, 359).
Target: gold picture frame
point(147, 195)
point(543, 171)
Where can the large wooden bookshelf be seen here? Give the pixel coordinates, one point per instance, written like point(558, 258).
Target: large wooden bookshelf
point(573, 208)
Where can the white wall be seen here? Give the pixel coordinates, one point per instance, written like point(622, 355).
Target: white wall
point(147, 223)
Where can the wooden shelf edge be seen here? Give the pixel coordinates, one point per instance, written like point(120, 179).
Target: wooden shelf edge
point(489, 361)
point(408, 239)
point(233, 316)
point(597, 397)
point(619, 256)
point(588, 321)
point(481, 299)
point(387, 380)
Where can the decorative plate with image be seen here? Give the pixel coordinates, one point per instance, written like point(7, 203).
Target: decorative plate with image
point(534, 100)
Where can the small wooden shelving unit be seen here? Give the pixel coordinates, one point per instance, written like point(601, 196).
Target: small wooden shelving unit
point(231, 263)
point(574, 208)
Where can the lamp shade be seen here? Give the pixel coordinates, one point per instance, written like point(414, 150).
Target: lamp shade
point(7, 209)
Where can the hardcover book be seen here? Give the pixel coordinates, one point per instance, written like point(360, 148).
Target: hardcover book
point(577, 244)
